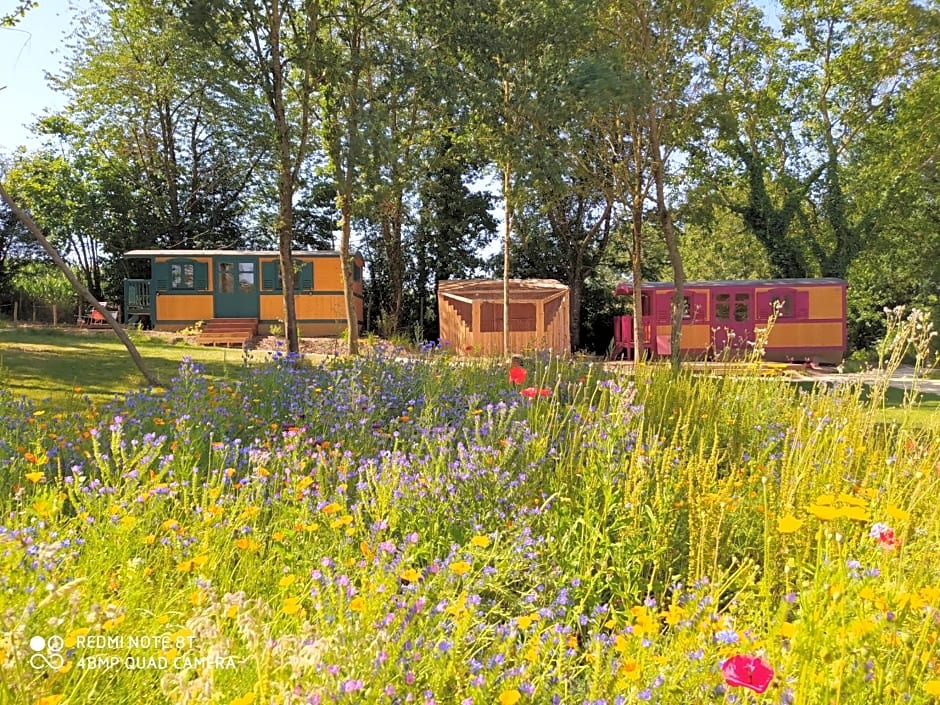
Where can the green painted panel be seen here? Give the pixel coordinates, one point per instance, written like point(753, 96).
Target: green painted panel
point(236, 287)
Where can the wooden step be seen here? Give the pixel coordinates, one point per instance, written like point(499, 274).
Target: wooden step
point(230, 338)
point(228, 331)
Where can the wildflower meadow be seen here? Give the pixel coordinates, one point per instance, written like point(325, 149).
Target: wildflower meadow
point(386, 530)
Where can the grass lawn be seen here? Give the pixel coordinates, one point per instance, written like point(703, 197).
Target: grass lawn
point(48, 364)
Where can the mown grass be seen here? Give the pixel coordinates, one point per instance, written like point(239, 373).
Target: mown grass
point(48, 364)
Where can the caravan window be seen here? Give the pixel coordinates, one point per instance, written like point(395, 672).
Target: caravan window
point(182, 276)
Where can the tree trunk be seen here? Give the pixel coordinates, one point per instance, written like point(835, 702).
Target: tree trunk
point(79, 287)
point(506, 241)
point(575, 294)
point(285, 185)
point(669, 234)
point(352, 320)
point(636, 259)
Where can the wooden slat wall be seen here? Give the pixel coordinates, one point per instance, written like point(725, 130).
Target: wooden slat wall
point(553, 334)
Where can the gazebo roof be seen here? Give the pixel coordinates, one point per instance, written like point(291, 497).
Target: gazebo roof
point(492, 289)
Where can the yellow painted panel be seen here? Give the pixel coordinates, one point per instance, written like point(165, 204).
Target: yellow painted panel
point(826, 302)
point(794, 335)
point(272, 307)
point(697, 337)
point(327, 275)
point(182, 307)
point(319, 306)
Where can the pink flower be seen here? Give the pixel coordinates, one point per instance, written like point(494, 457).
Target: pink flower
point(747, 672)
point(517, 374)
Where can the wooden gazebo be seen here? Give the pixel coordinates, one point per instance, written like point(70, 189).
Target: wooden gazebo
point(471, 315)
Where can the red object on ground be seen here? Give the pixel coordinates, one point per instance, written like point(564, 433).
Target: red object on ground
point(747, 672)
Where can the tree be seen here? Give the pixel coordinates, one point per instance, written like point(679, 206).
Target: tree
point(498, 49)
point(276, 49)
point(658, 50)
point(454, 226)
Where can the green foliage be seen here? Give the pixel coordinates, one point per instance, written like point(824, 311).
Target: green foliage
point(43, 283)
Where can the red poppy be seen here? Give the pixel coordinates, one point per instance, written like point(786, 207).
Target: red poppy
point(885, 536)
point(747, 672)
point(532, 392)
point(517, 374)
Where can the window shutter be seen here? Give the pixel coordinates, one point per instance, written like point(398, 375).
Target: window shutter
point(161, 276)
point(305, 277)
point(269, 275)
point(664, 308)
point(200, 276)
point(802, 305)
point(764, 305)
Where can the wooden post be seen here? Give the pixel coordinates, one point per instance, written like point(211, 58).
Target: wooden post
point(16, 310)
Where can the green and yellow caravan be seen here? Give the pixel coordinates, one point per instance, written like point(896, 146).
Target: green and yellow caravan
point(189, 286)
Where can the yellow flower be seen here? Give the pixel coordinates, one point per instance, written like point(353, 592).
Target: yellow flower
point(246, 699)
point(823, 512)
point(248, 513)
point(524, 622)
point(291, 605)
point(344, 520)
point(287, 581)
point(673, 616)
point(232, 611)
point(331, 508)
point(461, 568)
point(788, 524)
point(897, 513)
point(246, 543)
point(480, 541)
point(357, 604)
point(854, 512)
point(509, 697)
point(631, 669)
point(932, 688)
point(410, 575)
point(72, 637)
point(49, 700)
point(35, 477)
point(788, 630)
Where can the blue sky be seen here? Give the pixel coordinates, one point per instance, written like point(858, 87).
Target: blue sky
point(34, 47)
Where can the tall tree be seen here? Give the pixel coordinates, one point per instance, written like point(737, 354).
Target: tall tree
point(276, 49)
point(659, 48)
point(162, 111)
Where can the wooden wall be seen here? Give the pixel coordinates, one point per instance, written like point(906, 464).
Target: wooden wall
point(460, 324)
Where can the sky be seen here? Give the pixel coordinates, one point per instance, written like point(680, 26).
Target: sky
point(28, 51)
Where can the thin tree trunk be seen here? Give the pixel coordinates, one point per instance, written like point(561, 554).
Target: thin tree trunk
point(637, 270)
point(669, 234)
point(79, 287)
point(285, 184)
point(352, 320)
point(506, 241)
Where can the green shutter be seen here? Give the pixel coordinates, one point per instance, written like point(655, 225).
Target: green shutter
point(200, 276)
point(305, 277)
point(161, 275)
point(269, 275)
